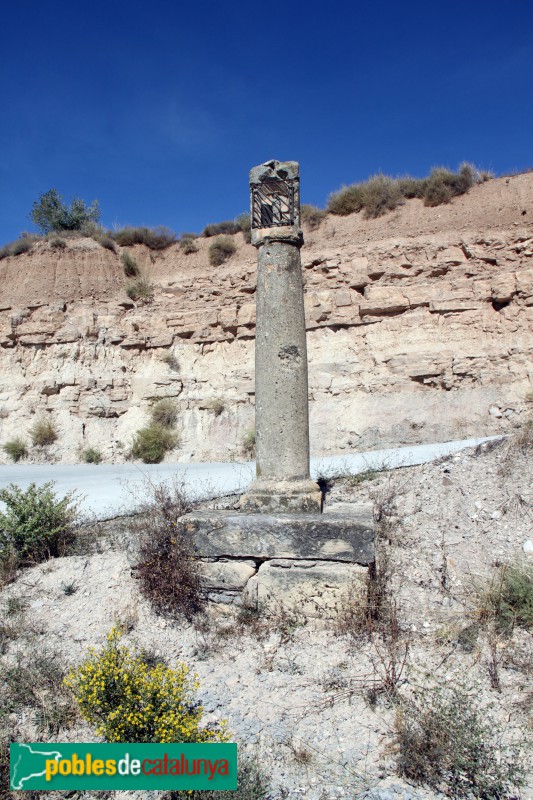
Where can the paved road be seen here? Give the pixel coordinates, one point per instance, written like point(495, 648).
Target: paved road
point(112, 489)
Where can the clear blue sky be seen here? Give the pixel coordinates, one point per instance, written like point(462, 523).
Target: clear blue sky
point(159, 109)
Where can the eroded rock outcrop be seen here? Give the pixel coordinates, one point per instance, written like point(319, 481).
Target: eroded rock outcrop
point(419, 324)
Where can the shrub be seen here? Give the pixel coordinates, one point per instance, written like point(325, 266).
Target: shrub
point(50, 213)
point(188, 244)
point(248, 444)
point(171, 361)
point(140, 289)
point(57, 243)
point(443, 184)
point(36, 681)
point(153, 442)
point(347, 200)
point(22, 245)
point(446, 741)
point(412, 187)
point(381, 193)
point(217, 406)
point(312, 216)
point(169, 575)
point(131, 269)
point(245, 223)
point(508, 599)
point(91, 455)
point(43, 432)
point(229, 226)
point(36, 524)
point(106, 241)
point(158, 238)
point(126, 700)
point(164, 413)
point(220, 250)
point(16, 449)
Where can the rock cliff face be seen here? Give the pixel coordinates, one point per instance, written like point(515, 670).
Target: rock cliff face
point(419, 329)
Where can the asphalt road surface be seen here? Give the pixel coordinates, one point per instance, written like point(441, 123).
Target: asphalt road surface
point(109, 490)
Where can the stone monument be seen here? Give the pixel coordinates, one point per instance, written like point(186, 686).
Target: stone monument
point(283, 481)
point(279, 543)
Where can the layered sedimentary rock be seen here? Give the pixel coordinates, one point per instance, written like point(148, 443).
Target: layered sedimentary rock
point(419, 329)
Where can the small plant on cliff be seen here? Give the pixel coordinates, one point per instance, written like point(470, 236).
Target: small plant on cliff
point(165, 413)
point(188, 243)
point(19, 246)
point(228, 226)
point(152, 443)
point(36, 524)
point(43, 432)
point(50, 213)
point(220, 250)
point(126, 700)
point(245, 223)
point(131, 268)
point(91, 455)
point(16, 449)
point(312, 216)
point(158, 238)
point(141, 290)
point(248, 444)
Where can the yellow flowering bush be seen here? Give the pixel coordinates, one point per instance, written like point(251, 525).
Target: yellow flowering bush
point(127, 700)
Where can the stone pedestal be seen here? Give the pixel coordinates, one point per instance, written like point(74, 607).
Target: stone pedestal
point(282, 557)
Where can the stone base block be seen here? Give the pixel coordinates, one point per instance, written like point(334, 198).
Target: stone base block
point(310, 587)
point(282, 497)
point(332, 536)
point(281, 558)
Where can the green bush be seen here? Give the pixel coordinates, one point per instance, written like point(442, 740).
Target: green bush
point(43, 432)
point(36, 524)
point(508, 600)
point(50, 213)
point(91, 455)
point(22, 245)
point(347, 200)
point(105, 241)
point(228, 226)
point(158, 238)
point(140, 289)
point(126, 700)
point(381, 193)
point(164, 413)
point(245, 223)
point(151, 443)
point(57, 243)
point(248, 444)
point(312, 216)
point(220, 250)
point(446, 741)
point(16, 449)
point(188, 243)
point(131, 268)
point(443, 184)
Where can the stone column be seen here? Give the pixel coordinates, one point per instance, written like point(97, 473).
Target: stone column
point(283, 481)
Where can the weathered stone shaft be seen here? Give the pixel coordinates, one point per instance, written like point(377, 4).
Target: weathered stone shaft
point(281, 395)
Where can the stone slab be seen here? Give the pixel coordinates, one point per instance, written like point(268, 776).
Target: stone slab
point(333, 536)
point(312, 587)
